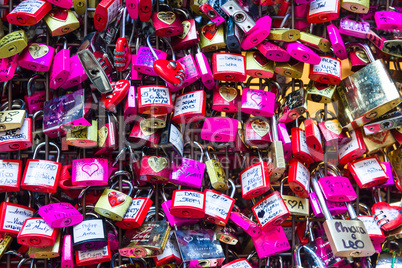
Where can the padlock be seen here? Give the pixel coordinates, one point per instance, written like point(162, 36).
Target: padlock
point(154, 169)
point(387, 20)
point(171, 253)
point(299, 178)
point(247, 225)
point(67, 254)
point(107, 135)
point(61, 21)
point(328, 71)
point(316, 42)
point(273, 52)
point(136, 212)
point(5, 244)
point(49, 252)
point(296, 205)
point(257, 102)
point(229, 67)
point(105, 12)
point(335, 208)
point(122, 51)
point(189, 37)
point(60, 69)
point(85, 137)
point(189, 173)
point(166, 23)
point(271, 242)
point(120, 90)
point(218, 206)
point(271, 211)
point(190, 107)
point(13, 216)
point(13, 43)
point(318, 92)
point(213, 12)
point(356, 6)
point(377, 141)
point(38, 135)
point(233, 36)
point(373, 108)
point(59, 215)
point(191, 72)
point(282, 11)
point(257, 132)
point(226, 98)
point(293, 68)
point(276, 153)
point(80, 6)
point(188, 204)
point(67, 4)
point(10, 175)
point(114, 204)
point(226, 234)
point(257, 65)
point(386, 165)
point(42, 175)
point(144, 10)
point(8, 67)
point(337, 43)
point(343, 242)
point(284, 35)
point(212, 37)
point(322, 11)
point(331, 130)
point(216, 173)
point(358, 59)
point(142, 135)
point(302, 53)
point(132, 8)
point(301, 12)
point(284, 137)
point(353, 149)
point(77, 73)
point(130, 108)
point(300, 149)
point(171, 141)
point(90, 172)
point(255, 179)
point(12, 119)
point(313, 139)
point(385, 215)
point(375, 233)
point(35, 232)
point(29, 12)
point(35, 101)
point(367, 172)
point(36, 57)
point(204, 69)
point(219, 129)
point(90, 234)
point(353, 28)
point(90, 257)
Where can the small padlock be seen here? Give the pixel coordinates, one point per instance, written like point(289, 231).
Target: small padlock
point(293, 68)
point(130, 108)
point(114, 204)
point(216, 173)
point(77, 73)
point(321, 11)
point(105, 12)
point(13, 43)
point(219, 129)
point(67, 254)
point(318, 92)
point(144, 10)
point(226, 234)
point(273, 52)
point(356, 6)
point(90, 234)
point(48, 252)
point(213, 12)
point(257, 65)
point(86, 136)
point(271, 242)
point(122, 52)
point(59, 215)
point(284, 136)
point(166, 23)
point(188, 204)
point(302, 53)
point(293, 104)
point(331, 130)
point(171, 253)
point(276, 153)
point(35, 100)
point(204, 69)
point(36, 57)
point(42, 175)
point(60, 69)
point(387, 20)
point(155, 169)
point(37, 135)
point(190, 107)
point(212, 37)
point(353, 149)
point(257, 132)
point(377, 141)
point(296, 205)
point(8, 67)
point(61, 21)
point(313, 139)
point(328, 71)
point(95, 256)
point(229, 67)
point(29, 12)
point(233, 36)
point(338, 45)
point(257, 102)
point(120, 90)
point(189, 37)
point(10, 175)
point(247, 225)
point(226, 98)
point(367, 172)
point(191, 72)
point(299, 145)
point(299, 178)
point(35, 232)
point(144, 59)
point(316, 42)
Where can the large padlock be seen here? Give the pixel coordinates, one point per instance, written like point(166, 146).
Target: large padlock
point(271, 242)
point(338, 45)
point(219, 129)
point(154, 99)
point(255, 179)
point(328, 71)
point(49, 252)
point(189, 37)
point(144, 59)
point(90, 172)
point(42, 175)
point(191, 72)
point(90, 234)
point(36, 57)
point(318, 92)
point(353, 149)
point(296, 205)
point(29, 12)
point(61, 21)
point(35, 232)
point(13, 43)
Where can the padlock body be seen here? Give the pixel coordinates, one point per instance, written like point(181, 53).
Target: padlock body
point(67, 255)
point(61, 21)
point(368, 172)
point(250, 227)
point(41, 176)
point(337, 189)
point(90, 234)
point(10, 175)
point(299, 178)
point(257, 132)
point(255, 180)
point(190, 173)
point(90, 257)
point(29, 12)
point(90, 172)
point(155, 169)
point(60, 215)
point(328, 71)
point(353, 149)
point(105, 12)
point(154, 100)
point(144, 60)
point(174, 220)
point(299, 146)
point(8, 67)
point(142, 135)
point(375, 233)
point(13, 217)
point(37, 233)
point(271, 242)
point(188, 204)
point(36, 57)
point(13, 43)
point(113, 204)
point(219, 129)
point(166, 23)
point(17, 139)
point(320, 11)
point(189, 107)
point(229, 67)
point(135, 214)
point(77, 73)
point(216, 175)
point(188, 38)
point(218, 207)
point(257, 102)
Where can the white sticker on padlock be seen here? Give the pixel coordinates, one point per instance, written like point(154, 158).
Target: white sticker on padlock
point(303, 142)
point(87, 230)
point(303, 175)
point(155, 94)
point(189, 199)
point(228, 62)
point(329, 66)
point(134, 208)
point(239, 264)
point(14, 217)
point(88, 254)
point(29, 6)
point(348, 147)
point(176, 138)
point(318, 6)
point(41, 172)
point(367, 169)
point(15, 134)
point(188, 103)
point(37, 226)
point(9, 172)
point(251, 179)
point(112, 10)
point(371, 226)
point(268, 209)
point(217, 204)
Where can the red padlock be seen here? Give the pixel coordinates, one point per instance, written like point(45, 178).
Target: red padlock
point(188, 204)
point(155, 169)
point(299, 178)
point(226, 98)
point(368, 172)
point(229, 67)
point(190, 107)
point(120, 90)
point(29, 12)
point(143, 136)
point(218, 206)
point(105, 12)
point(349, 151)
point(37, 233)
point(155, 100)
point(313, 139)
point(328, 71)
point(10, 175)
point(300, 149)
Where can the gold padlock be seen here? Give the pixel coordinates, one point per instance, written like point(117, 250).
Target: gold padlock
point(5, 244)
point(195, 6)
point(315, 41)
point(284, 35)
point(356, 6)
point(216, 173)
point(377, 141)
point(80, 6)
point(292, 68)
point(83, 136)
point(13, 43)
point(58, 26)
point(212, 37)
point(293, 104)
point(12, 119)
point(46, 252)
point(296, 205)
point(259, 66)
point(321, 93)
point(154, 121)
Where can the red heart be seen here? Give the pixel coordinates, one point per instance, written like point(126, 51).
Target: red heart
point(392, 214)
point(59, 14)
point(116, 199)
point(120, 90)
point(209, 31)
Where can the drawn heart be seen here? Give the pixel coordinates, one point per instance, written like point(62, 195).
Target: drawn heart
point(292, 203)
point(260, 127)
point(228, 93)
point(391, 213)
point(256, 98)
point(59, 14)
point(37, 50)
point(157, 163)
point(378, 137)
point(102, 135)
point(167, 17)
point(90, 169)
point(146, 131)
point(116, 199)
point(209, 31)
point(188, 239)
point(186, 28)
point(259, 58)
point(333, 126)
point(261, 214)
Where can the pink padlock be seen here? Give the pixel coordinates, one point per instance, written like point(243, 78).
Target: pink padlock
point(90, 172)
point(301, 12)
point(36, 57)
point(60, 215)
point(335, 208)
point(135, 75)
point(166, 23)
point(132, 8)
point(155, 169)
point(283, 136)
point(204, 69)
point(130, 108)
point(66, 4)
point(219, 129)
point(67, 256)
point(273, 52)
point(258, 33)
point(388, 20)
point(144, 60)
point(358, 29)
point(258, 102)
point(338, 45)
point(77, 73)
point(271, 242)
point(328, 71)
point(225, 99)
point(335, 188)
point(60, 69)
point(302, 53)
point(247, 225)
point(8, 67)
point(191, 70)
point(35, 101)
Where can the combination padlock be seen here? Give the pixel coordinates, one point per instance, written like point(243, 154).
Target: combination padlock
point(122, 51)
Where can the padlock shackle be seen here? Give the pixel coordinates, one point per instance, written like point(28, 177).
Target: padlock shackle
point(126, 174)
point(319, 115)
point(321, 167)
point(119, 155)
point(50, 144)
point(123, 22)
point(351, 211)
point(321, 199)
point(30, 82)
point(199, 146)
point(17, 104)
point(282, 183)
point(364, 47)
point(22, 261)
point(111, 225)
point(165, 41)
point(297, 256)
point(233, 188)
point(38, 114)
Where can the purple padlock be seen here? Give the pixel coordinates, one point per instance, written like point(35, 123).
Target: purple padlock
point(60, 215)
point(302, 53)
point(90, 172)
point(191, 71)
point(337, 43)
point(258, 102)
point(35, 100)
point(335, 208)
point(273, 52)
point(144, 61)
point(204, 69)
point(77, 73)
point(359, 29)
point(388, 20)
point(36, 57)
point(8, 67)
point(130, 108)
point(77, 109)
point(60, 69)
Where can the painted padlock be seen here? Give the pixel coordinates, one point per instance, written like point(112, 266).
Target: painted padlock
point(335, 208)
point(35, 100)
point(188, 204)
point(10, 175)
point(107, 135)
point(258, 102)
point(155, 169)
point(166, 23)
point(67, 4)
point(219, 129)
point(130, 108)
point(36, 57)
point(328, 71)
point(35, 232)
point(190, 107)
point(271, 242)
point(321, 11)
point(226, 98)
point(29, 12)
point(257, 132)
point(61, 21)
point(8, 67)
point(229, 67)
point(368, 172)
point(60, 215)
point(388, 20)
point(60, 69)
point(42, 175)
point(90, 172)
point(335, 188)
point(90, 234)
point(142, 135)
point(255, 179)
point(144, 60)
point(257, 65)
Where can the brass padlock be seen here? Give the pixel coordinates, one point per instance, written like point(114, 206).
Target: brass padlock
point(216, 173)
point(212, 37)
point(315, 41)
point(321, 93)
point(293, 104)
point(378, 140)
point(356, 6)
point(284, 35)
point(80, 7)
point(46, 252)
point(12, 119)
point(61, 21)
point(13, 43)
point(5, 243)
point(296, 205)
point(293, 68)
point(195, 6)
point(257, 65)
point(83, 136)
